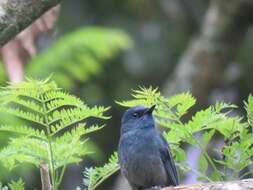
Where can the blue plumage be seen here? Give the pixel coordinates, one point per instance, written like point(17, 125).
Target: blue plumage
point(144, 154)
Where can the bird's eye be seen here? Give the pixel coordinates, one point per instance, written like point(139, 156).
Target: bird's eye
point(135, 114)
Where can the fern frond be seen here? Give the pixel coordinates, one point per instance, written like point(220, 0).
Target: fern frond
point(31, 147)
point(13, 185)
point(182, 102)
point(168, 110)
point(25, 131)
point(29, 116)
point(69, 117)
point(59, 94)
point(17, 185)
point(15, 154)
point(32, 89)
point(78, 55)
point(28, 104)
point(95, 176)
point(70, 141)
point(249, 109)
point(44, 104)
point(143, 96)
point(215, 118)
point(58, 99)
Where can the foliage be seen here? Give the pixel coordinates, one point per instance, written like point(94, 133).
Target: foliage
point(95, 176)
point(78, 56)
point(54, 128)
point(230, 160)
point(14, 185)
point(198, 131)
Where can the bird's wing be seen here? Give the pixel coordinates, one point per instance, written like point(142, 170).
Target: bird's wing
point(168, 162)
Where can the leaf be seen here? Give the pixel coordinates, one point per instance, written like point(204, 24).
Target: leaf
point(178, 153)
point(17, 185)
point(25, 131)
point(95, 176)
point(207, 136)
point(79, 55)
point(203, 164)
point(215, 176)
point(217, 118)
point(183, 102)
point(249, 109)
point(54, 126)
point(143, 96)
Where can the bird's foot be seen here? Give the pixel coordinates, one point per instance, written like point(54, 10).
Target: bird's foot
point(154, 188)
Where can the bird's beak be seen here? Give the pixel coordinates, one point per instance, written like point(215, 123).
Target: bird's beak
point(150, 110)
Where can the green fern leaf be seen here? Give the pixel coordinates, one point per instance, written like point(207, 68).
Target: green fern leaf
point(68, 117)
point(58, 139)
point(93, 177)
point(25, 131)
point(182, 102)
point(249, 109)
point(17, 185)
point(29, 116)
point(78, 56)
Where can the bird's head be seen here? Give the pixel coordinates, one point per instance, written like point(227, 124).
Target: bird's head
point(138, 117)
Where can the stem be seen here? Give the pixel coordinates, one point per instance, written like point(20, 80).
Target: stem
point(50, 150)
point(201, 148)
point(51, 162)
point(202, 175)
point(104, 177)
point(45, 178)
point(61, 176)
point(245, 174)
point(207, 156)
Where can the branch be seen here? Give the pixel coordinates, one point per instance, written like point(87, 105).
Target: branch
point(202, 65)
point(235, 185)
point(45, 178)
point(16, 15)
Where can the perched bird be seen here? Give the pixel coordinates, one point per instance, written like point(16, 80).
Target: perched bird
point(144, 155)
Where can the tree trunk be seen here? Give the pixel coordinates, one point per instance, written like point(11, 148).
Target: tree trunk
point(16, 15)
point(202, 65)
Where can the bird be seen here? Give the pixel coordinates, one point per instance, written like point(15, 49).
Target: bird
point(144, 155)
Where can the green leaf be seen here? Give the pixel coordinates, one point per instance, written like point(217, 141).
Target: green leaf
point(79, 55)
point(207, 136)
point(178, 153)
point(215, 176)
point(95, 176)
point(203, 164)
point(54, 126)
point(215, 119)
point(183, 102)
point(249, 109)
point(17, 185)
point(25, 131)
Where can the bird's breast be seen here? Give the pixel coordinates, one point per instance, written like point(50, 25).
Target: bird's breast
point(140, 159)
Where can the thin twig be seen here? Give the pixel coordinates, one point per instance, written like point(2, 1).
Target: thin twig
point(45, 177)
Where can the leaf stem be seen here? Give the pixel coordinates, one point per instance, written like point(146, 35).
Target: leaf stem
point(61, 176)
point(201, 148)
point(50, 148)
point(104, 177)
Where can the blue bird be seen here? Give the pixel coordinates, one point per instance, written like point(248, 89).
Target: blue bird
point(144, 154)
